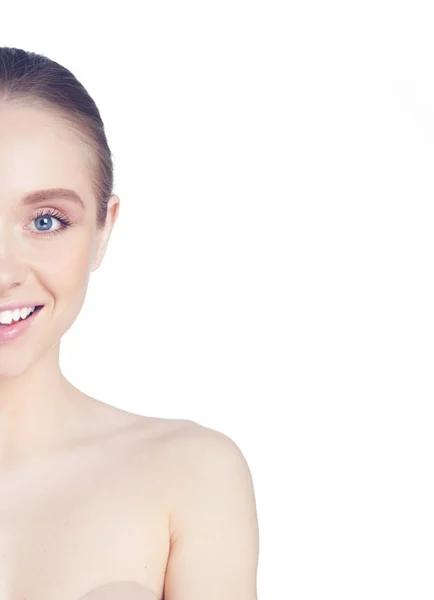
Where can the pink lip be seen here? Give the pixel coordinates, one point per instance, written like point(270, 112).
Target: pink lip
point(12, 332)
point(20, 305)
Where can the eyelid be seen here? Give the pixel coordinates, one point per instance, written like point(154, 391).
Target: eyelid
point(64, 220)
point(49, 209)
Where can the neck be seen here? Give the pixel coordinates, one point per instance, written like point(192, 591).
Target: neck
point(36, 405)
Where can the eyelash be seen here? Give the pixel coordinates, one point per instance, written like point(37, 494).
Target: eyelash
point(52, 212)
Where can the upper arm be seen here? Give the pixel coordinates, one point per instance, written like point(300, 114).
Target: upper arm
point(215, 538)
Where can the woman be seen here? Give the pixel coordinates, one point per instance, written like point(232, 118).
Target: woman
point(95, 503)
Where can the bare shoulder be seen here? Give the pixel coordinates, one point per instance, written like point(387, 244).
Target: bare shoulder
point(183, 443)
point(186, 445)
point(180, 437)
point(191, 444)
point(205, 466)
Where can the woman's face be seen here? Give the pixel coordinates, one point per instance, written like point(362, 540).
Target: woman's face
point(41, 258)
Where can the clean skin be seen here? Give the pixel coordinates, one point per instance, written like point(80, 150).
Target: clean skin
point(39, 407)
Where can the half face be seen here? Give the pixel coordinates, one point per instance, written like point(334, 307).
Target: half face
point(49, 243)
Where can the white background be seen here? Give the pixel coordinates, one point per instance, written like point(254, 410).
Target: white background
point(272, 264)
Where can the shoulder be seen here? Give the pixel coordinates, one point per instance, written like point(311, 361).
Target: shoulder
point(192, 447)
point(213, 522)
point(205, 465)
point(182, 440)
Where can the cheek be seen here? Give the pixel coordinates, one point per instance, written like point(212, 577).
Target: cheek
point(67, 272)
point(66, 277)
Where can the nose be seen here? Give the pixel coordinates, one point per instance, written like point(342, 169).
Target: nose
point(12, 269)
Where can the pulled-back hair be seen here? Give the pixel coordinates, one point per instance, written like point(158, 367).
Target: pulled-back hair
point(27, 78)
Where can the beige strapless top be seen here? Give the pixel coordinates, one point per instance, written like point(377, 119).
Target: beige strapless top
point(120, 590)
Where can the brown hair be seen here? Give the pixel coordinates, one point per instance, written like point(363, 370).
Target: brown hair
point(30, 78)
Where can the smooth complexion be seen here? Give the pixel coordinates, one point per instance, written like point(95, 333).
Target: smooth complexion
point(86, 489)
point(39, 407)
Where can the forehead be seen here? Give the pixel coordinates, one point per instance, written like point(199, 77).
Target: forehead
point(38, 150)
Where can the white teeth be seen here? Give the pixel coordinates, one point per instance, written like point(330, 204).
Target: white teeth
point(7, 316)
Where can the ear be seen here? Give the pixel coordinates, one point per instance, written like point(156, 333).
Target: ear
point(103, 235)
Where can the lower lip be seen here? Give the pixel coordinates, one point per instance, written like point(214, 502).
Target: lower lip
point(13, 331)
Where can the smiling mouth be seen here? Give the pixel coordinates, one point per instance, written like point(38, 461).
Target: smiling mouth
point(12, 323)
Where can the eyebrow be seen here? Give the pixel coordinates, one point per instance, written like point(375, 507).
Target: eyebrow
point(60, 193)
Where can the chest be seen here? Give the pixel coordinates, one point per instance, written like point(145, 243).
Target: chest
point(83, 521)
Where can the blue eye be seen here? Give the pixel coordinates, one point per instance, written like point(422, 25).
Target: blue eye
point(44, 220)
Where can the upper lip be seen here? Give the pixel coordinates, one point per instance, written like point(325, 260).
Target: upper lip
point(15, 305)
